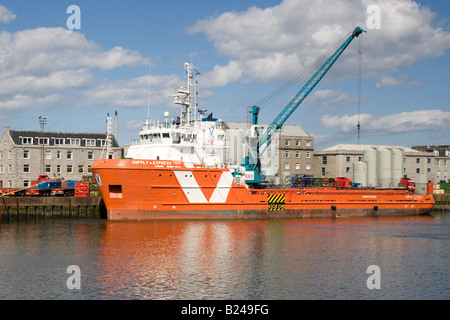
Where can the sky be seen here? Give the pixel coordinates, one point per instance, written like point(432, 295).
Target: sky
point(124, 55)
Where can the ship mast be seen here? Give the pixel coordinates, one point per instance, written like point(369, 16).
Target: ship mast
point(184, 95)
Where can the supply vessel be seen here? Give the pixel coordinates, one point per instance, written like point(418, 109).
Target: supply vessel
point(177, 171)
point(167, 189)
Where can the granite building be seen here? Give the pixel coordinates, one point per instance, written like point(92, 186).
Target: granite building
point(24, 155)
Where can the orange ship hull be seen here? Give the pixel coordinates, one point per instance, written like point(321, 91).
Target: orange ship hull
point(155, 189)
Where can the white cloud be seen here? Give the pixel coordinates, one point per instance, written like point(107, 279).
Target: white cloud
point(6, 16)
point(25, 103)
point(40, 64)
point(43, 50)
point(419, 120)
point(221, 75)
point(274, 43)
point(134, 92)
point(326, 100)
point(57, 80)
point(390, 81)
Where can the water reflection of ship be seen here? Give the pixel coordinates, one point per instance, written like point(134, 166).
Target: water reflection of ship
point(236, 259)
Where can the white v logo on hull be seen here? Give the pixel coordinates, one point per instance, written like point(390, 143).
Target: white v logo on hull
point(195, 194)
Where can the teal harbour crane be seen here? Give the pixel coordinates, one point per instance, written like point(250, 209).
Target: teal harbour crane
point(252, 165)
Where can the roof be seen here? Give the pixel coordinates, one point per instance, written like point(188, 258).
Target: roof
point(286, 130)
point(17, 136)
point(362, 147)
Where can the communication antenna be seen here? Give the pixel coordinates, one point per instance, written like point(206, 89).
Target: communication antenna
point(109, 135)
point(148, 93)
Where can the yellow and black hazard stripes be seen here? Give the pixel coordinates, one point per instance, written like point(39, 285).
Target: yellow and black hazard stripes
point(276, 202)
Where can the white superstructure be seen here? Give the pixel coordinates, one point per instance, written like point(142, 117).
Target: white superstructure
point(190, 137)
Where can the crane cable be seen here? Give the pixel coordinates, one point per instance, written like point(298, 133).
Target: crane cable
point(301, 75)
point(359, 87)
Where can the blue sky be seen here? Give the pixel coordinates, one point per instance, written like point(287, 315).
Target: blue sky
point(244, 50)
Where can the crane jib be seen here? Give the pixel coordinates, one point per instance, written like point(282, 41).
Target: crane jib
point(307, 88)
point(265, 138)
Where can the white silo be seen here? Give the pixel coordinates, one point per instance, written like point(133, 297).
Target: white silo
point(360, 173)
point(370, 158)
point(384, 167)
point(397, 166)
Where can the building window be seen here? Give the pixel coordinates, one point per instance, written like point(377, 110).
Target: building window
point(286, 166)
point(428, 170)
point(324, 160)
point(9, 168)
point(347, 169)
point(297, 154)
point(9, 154)
point(360, 158)
point(59, 141)
point(69, 155)
point(90, 142)
point(308, 143)
point(297, 166)
point(80, 169)
point(43, 140)
point(26, 183)
point(308, 166)
point(417, 160)
point(48, 154)
point(418, 170)
point(286, 154)
point(297, 143)
point(48, 168)
point(89, 169)
point(428, 160)
point(27, 140)
point(308, 155)
point(102, 142)
point(26, 168)
point(69, 168)
point(286, 143)
point(58, 154)
point(58, 168)
point(323, 171)
point(75, 142)
point(90, 155)
point(347, 159)
point(26, 154)
point(1, 169)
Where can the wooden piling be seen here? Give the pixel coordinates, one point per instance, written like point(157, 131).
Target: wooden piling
point(37, 208)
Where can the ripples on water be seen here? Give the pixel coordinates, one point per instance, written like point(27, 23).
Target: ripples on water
point(272, 259)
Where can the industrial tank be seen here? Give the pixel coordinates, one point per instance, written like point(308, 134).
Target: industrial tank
point(370, 158)
point(360, 173)
point(384, 167)
point(397, 166)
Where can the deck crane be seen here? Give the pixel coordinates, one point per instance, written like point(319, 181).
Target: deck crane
point(251, 163)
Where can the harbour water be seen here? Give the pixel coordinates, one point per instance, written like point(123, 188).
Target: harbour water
point(227, 260)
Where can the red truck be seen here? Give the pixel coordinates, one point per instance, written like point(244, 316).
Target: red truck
point(343, 182)
point(407, 183)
